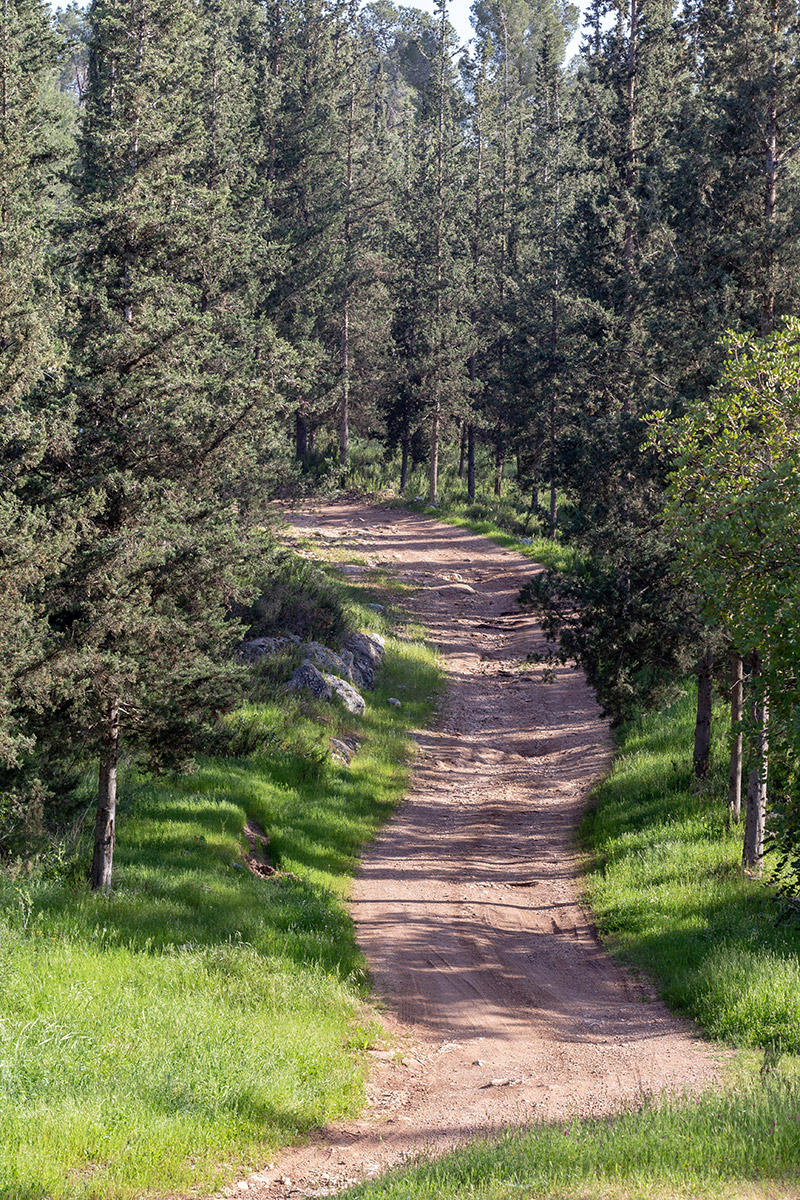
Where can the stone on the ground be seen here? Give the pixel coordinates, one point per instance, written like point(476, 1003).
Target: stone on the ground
point(328, 660)
point(367, 650)
point(377, 607)
point(350, 697)
point(264, 646)
point(395, 703)
point(309, 678)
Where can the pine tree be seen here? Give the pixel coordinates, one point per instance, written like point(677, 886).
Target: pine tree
point(34, 145)
point(170, 374)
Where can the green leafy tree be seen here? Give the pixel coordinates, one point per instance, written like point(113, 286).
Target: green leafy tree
point(734, 511)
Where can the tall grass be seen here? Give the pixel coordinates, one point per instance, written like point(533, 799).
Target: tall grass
point(668, 892)
point(722, 1144)
point(167, 1036)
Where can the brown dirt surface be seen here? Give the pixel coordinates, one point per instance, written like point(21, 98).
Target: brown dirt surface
point(502, 1006)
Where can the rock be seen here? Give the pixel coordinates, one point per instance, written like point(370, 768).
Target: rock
point(343, 749)
point(377, 607)
point(328, 660)
point(350, 697)
point(262, 647)
point(309, 678)
point(395, 703)
point(367, 650)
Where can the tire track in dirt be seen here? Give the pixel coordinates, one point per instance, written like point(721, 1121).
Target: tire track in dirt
point(504, 1006)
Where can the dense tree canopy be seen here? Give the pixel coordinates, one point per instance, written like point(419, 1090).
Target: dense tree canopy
point(239, 238)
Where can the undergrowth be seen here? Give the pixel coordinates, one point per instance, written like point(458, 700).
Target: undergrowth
point(169, 1035)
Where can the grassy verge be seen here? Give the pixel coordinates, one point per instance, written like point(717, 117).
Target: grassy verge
point(667, 889)
point(167, 1036)
point(721, 1145)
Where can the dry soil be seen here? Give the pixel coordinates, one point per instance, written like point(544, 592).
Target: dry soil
point(502, 1005)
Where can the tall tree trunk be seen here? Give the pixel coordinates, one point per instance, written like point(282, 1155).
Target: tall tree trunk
point(462, 452)
point(105, 824)
point(404, 463)
point(471, 461)
point(702, 728)
point(770, 180)
point(300, 436)
point(755, 818)
point(735, 776)
point(499, 464)
point(433, 476)
point(344, 349)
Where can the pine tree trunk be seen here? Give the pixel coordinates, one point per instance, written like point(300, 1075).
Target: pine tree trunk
point(499, 462)
point(755, 818)
point(702, 728)
point(404, 463)
point(471, 461)
point(105, 824)
point(433, 478)
point(462, 453)
point(770, 180)
point(344, 412)
point(735, 777)
point(300, 436)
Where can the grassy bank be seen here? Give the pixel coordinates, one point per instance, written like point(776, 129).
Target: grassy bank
point(667, 888)
point(722, 1145)
point(165, 1037)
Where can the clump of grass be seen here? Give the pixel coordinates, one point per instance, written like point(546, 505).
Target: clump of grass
point(668, 891)
point(710, 1146)
point(167, 1036)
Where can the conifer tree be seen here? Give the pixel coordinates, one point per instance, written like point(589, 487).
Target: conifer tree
point(170, 373)
point(34, 144)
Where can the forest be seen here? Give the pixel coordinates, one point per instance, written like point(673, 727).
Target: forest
point(243, 241)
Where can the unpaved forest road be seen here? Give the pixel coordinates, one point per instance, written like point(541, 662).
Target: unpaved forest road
point(504, 1005)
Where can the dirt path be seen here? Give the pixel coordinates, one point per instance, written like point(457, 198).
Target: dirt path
point(504, 1006)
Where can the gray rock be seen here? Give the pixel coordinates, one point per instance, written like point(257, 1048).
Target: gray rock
point(377, 607)
point(308, 678)
point(328, 660)
point(350, 697)
point(367, 650)
point(395, 703)
point(264, 646)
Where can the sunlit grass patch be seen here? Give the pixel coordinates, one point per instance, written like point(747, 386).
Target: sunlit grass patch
point(168, 1036)
point(668, 891)
point(718, 1145)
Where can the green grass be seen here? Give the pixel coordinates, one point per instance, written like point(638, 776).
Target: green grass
point(168, 1036)
point(667, 889)
point(722, 1144)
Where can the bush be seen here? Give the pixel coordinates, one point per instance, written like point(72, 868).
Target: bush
point(294, 596)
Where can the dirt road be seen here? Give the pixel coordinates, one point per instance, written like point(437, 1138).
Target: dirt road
point(504, 1006)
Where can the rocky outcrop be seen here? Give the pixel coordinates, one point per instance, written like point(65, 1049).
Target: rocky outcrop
point(309, 678)
point(367, 650)
point(350, 697)
point(262, 647)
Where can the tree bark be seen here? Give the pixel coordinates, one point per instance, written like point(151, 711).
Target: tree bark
point(755, 818)
point(300, 436)
point(702, 728)
point(404, 463)
point(471, 461)
point(462, 452)
point(735, 777)
point(499, 462)
point(105, 824)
